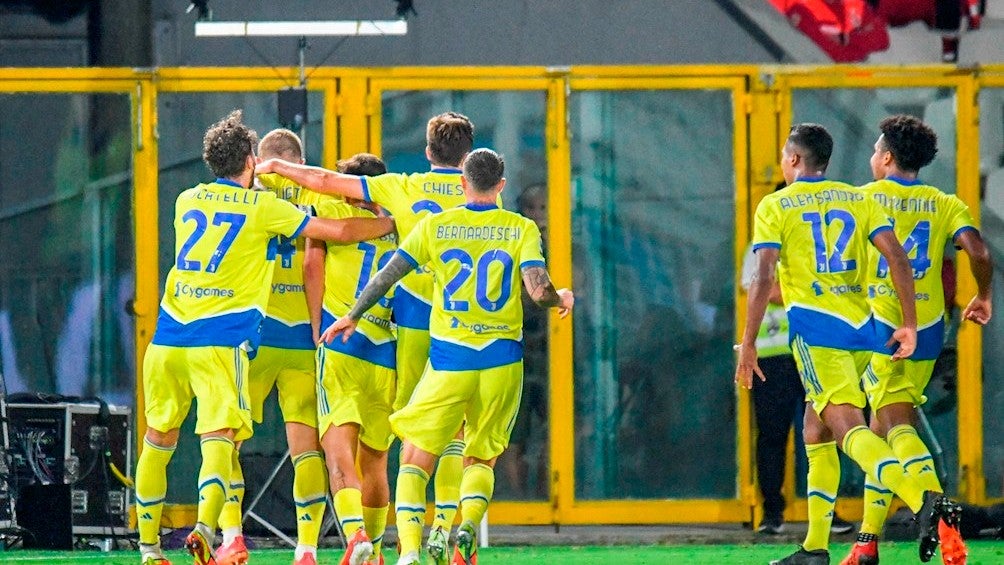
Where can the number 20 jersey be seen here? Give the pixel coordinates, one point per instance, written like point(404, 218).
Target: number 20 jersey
point(925, 220)
point(476, 254)
point(217, 291)
point(822, 229)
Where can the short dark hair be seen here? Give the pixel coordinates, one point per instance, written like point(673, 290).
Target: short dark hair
point(282, 143)
point(362, 164)
point(483, 169)
point(815, 142)
point(450, 136)
point(913, 143)
point(227, 145)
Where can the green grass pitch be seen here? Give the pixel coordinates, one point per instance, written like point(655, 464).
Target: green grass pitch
point(980, 553)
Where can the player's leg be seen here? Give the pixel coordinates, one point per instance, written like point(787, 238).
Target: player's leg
point(297, 389)
point(374, 441)
point(167, 399)
point(262, 373)
point(425, 425)
point(490, 417)
point(219, 381)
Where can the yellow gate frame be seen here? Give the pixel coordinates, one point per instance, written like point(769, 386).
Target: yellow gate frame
point(761, 111)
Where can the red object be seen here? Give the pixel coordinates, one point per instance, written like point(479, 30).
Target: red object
point(862, 554)
point(847, 30)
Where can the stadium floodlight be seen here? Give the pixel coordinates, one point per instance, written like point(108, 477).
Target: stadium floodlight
point(301, 29)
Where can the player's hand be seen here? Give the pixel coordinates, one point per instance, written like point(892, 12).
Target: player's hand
point(344, 326)
point(265, 167)
point(567, 302)
point(747, 366)
point(979, 310)
point(907, 338)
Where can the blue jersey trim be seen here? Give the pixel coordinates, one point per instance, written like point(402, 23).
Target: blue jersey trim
point(930, 340)
point(303, 224)
point(766, 245)
point(877, 231)
point(531, 263)
point(360, 347)
point(404, 255)
point(447, 170)
point(824, 330)
point(228, 182)
point(446, 356)
point(366, 189)
point(277, 334)
point(903, 181)
point(963, 229)
point(810, 179)
point(227, 330)
point(475, 207)
point(410, 311)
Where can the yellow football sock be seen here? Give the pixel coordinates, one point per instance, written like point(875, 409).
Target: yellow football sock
point(877, 459)
point(230, 517)
point(822, 484)
point(376, 523)
point(409, 497)
point(449, 473)
point(214, 479)
point(310, 495)
point(914, 455)
point(877, 500)
point(349, 509)
point(151, 488)
point(476, 492)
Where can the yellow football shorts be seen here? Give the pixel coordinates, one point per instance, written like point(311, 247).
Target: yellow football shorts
point(216, 376)
point(292, 372)
point(830, 376)
point(412, 356)
point(356, 391)
point(488, 399)
point(893, 382)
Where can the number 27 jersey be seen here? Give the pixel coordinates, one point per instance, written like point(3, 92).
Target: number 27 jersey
point(476, 254)
point(823, 229)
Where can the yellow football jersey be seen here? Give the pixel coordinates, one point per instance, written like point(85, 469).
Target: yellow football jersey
point(347, 269)
point(476, 254)
point(823, 230)
point(409, 198)
point(925, 220)
point(287, 322)
point(218, 288)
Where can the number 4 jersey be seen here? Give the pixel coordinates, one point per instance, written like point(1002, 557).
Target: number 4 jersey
point(925, 220)
point(475, 253)
point(822, 229)
point(217, 291)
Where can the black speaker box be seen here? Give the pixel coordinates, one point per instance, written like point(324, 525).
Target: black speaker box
point(44, 510)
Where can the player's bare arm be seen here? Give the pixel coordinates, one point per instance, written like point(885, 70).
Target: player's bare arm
point(540, 289)
point(980, 308)
point(348, 230)
point(761, 288)
point(313, 283)
point(317, 179)
point(387, 277)
point(902, 280)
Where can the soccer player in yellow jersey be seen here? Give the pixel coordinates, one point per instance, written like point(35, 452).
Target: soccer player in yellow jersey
point(355, 380)
point(925, 220)
point(819, 231)
point(208, 327)
point(285, 361)
point(475, 374)
point(408, 199)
